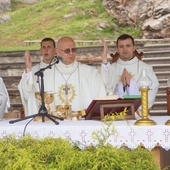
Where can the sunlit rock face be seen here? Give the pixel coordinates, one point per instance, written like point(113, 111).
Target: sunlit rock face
point(152, 16)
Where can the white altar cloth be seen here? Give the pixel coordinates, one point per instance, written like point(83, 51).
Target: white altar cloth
point(81, 131)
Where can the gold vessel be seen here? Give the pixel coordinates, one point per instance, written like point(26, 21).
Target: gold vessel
point(48, 99)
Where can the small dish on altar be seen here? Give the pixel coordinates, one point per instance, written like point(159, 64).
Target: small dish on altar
point(62, 111)
point(75, 115)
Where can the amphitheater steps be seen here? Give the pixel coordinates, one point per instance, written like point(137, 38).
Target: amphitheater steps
point(158, 56)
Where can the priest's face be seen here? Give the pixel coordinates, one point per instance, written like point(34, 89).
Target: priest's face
point(126, 48)
point(67, 50)
point(48, 51)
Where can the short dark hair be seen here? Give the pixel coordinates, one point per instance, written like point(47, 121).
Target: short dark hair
point(124, 37)
point(48, 39)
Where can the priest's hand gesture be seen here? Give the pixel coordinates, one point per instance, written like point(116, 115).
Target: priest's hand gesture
point(126, 77)
point(104, 51)
point(28, 62)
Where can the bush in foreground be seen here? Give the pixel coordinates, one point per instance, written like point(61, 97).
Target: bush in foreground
point(58, 154)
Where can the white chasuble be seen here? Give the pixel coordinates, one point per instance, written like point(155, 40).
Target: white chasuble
point(75, 84)
point(111, 75)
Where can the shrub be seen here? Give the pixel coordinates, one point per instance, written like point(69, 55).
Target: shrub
point(58, 154)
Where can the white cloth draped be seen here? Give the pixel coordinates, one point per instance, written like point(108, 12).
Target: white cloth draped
point(85, 81)
point(111, 74)
point(125, 132)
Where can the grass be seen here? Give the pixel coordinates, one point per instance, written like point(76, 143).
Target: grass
point(56, 18)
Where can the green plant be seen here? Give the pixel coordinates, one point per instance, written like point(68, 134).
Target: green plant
point(58, 154)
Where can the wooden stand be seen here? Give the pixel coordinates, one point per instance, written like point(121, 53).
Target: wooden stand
point(128, 116)
point(99, 108)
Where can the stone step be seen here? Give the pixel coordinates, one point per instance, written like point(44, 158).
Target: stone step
point(160, 97)
point(156, 60)
point(18, 54)
point(162, 75)
point(95, 51)
point(14, 96)
point(162, 90)
point(15, 106)
point(158, 112)
point(158, 54)
point(12, 69)
point(161, 70)
point(160, 105)
point(11, 82)
point(161, 67)
point(163, 82)
point(155, 47)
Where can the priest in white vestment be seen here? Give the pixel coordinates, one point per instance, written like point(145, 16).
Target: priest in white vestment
point(72, 82)
point(121, 77)
point(4, 99)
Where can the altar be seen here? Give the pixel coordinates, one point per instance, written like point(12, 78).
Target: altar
point(80, 131)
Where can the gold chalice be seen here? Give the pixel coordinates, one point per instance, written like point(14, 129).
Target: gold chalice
point(48, 99)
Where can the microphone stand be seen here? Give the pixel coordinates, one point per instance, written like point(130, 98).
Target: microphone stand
point(42, 110)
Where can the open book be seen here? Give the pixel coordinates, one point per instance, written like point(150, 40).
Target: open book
point(101, 106)
point(112, 97)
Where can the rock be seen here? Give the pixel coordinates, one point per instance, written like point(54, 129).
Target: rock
point(4, 18)
point(154, 14)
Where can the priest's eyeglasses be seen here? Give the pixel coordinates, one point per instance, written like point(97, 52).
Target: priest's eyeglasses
point(67, 51)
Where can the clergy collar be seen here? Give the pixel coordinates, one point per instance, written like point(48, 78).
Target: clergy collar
point(131, 61)
point(67, 69)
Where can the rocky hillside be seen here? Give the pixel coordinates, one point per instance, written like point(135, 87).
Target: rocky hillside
point(152, 16)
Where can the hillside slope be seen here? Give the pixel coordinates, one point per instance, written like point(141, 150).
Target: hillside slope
point(79, 19)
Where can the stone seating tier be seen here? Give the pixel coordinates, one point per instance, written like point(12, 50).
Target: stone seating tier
point(12, 66)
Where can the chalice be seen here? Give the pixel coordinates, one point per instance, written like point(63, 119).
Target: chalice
point(48, 99)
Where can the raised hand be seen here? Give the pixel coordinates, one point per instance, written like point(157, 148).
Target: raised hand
point(104, 51)
point(28, 62)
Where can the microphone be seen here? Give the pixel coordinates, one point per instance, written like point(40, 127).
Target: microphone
point(58, 58)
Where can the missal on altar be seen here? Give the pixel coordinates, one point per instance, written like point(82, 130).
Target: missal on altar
point(102, 106)
point(111, 97)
